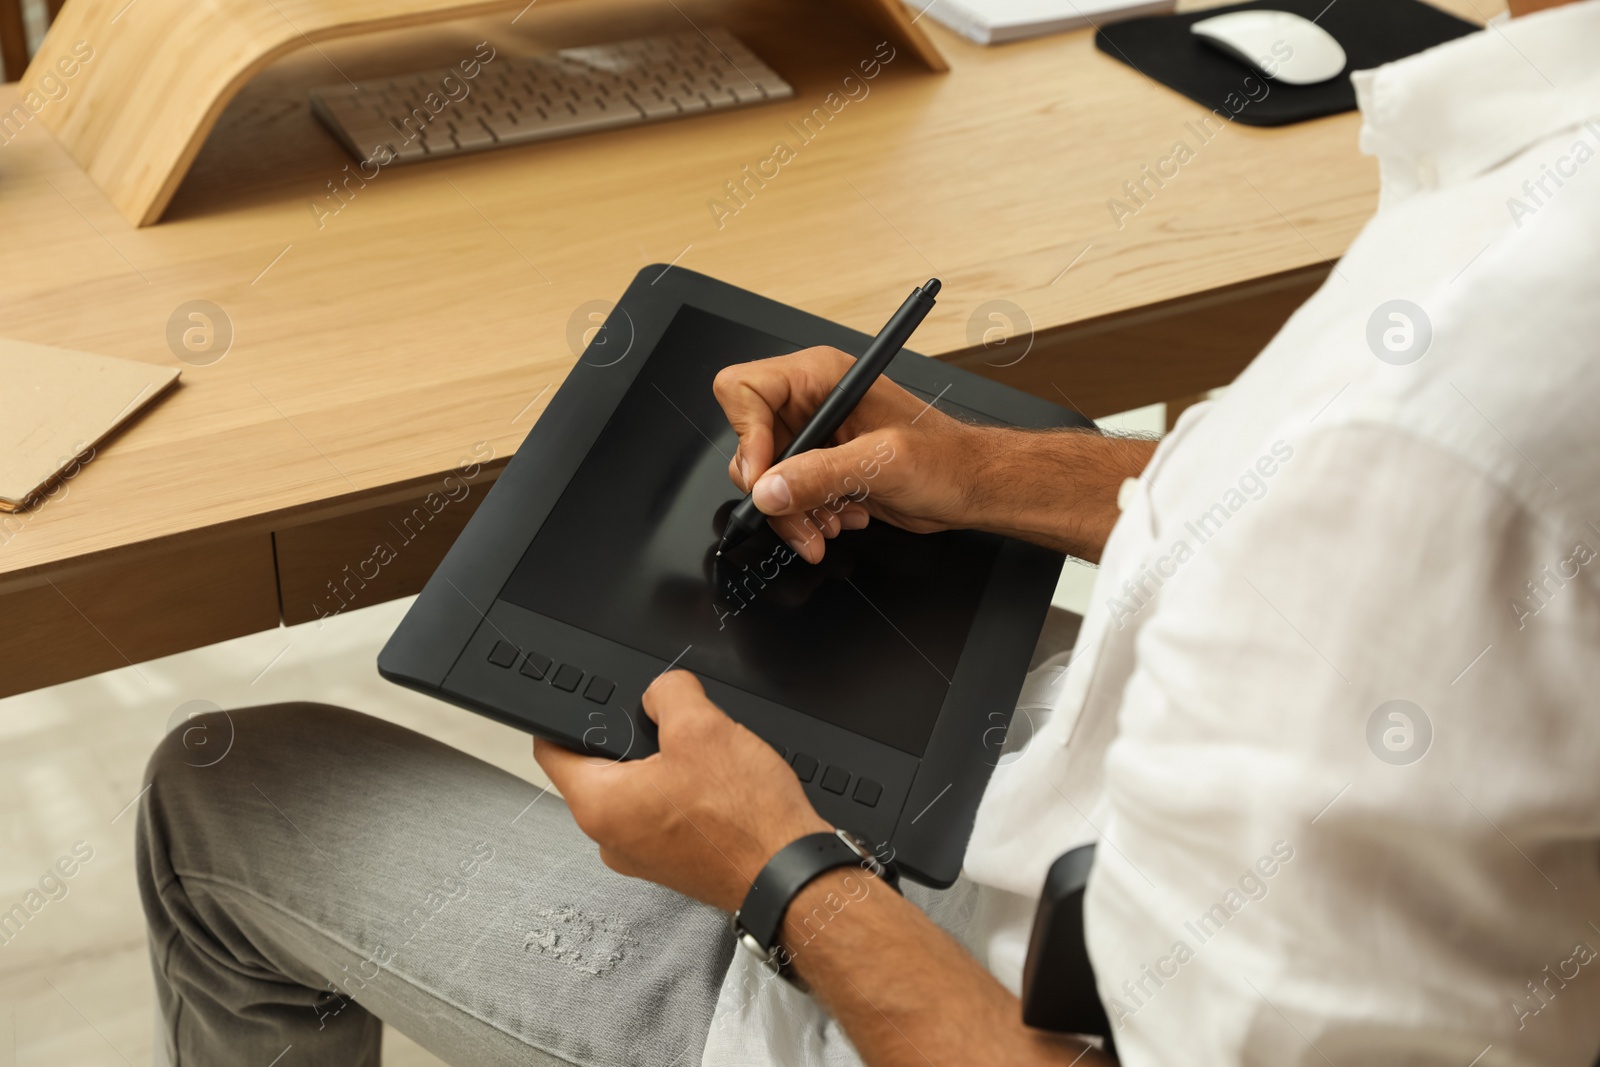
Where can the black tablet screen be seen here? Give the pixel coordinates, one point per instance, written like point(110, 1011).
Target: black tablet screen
point(867, 640)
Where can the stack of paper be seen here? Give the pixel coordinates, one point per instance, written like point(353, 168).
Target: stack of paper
point(997, 21)
point(56, 405)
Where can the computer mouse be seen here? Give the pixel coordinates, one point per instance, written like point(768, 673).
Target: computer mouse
point(1280, 45)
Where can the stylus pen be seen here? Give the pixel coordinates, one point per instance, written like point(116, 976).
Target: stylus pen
point(746, 518)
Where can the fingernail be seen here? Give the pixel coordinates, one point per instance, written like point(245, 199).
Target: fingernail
point(771, 494)
point(854, 520)
point(744, 469)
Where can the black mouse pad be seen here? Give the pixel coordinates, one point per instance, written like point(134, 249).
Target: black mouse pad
point(1371, 32)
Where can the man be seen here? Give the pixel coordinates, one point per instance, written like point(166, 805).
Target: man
point(1330, 717)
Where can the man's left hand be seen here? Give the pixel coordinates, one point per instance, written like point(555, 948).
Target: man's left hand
point(703, 815)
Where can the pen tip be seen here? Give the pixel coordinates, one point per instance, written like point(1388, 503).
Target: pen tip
point(932, 287)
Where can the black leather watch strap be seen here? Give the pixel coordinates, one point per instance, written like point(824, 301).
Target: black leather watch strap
point(759, 920)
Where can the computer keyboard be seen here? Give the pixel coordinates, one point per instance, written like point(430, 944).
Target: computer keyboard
point(576, 90)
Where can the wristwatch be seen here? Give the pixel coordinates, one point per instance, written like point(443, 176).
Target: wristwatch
point(759, 919)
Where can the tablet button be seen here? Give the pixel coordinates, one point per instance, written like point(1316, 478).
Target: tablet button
point(868, 792)
point(805, 767)
point(567, 677)
point(536, 666)
point(834, 779)
point(503, 654)
point(599, 690)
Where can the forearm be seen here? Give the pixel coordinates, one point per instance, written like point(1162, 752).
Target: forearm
point(1056, 488)
point(904, 990)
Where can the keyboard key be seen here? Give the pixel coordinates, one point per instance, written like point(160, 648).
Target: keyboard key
point(805, 767)
point(503, 654)
point(536, 666)
point(567, 677)
point(599, 690)
point(868, 792)
point(471, 134)
point(559, 119)
point(834, 779)
point(655, 105)
point(406, 151)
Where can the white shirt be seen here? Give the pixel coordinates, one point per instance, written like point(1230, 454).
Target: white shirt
point(1292, 869)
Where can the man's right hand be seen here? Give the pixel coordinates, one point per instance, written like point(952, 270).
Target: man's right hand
point(901, 460)
point(897, 458)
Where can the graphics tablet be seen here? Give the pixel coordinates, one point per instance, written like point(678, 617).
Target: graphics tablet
point(886, 675)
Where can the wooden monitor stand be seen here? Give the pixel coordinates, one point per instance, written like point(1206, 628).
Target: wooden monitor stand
point(160, 72)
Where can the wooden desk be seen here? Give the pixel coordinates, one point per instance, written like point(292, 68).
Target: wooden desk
point(430, 316)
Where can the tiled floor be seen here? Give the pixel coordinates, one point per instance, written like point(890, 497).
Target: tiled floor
point(75, 985)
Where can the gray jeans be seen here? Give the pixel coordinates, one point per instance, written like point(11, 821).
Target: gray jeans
point(307, 871)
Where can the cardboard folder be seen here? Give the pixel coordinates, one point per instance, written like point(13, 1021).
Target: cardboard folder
point(56, 405)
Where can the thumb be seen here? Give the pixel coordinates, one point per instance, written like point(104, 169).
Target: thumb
point(820, 477)
point(675, 700)
point(572, 773)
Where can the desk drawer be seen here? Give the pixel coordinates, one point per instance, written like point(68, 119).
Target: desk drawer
point(167, 600)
